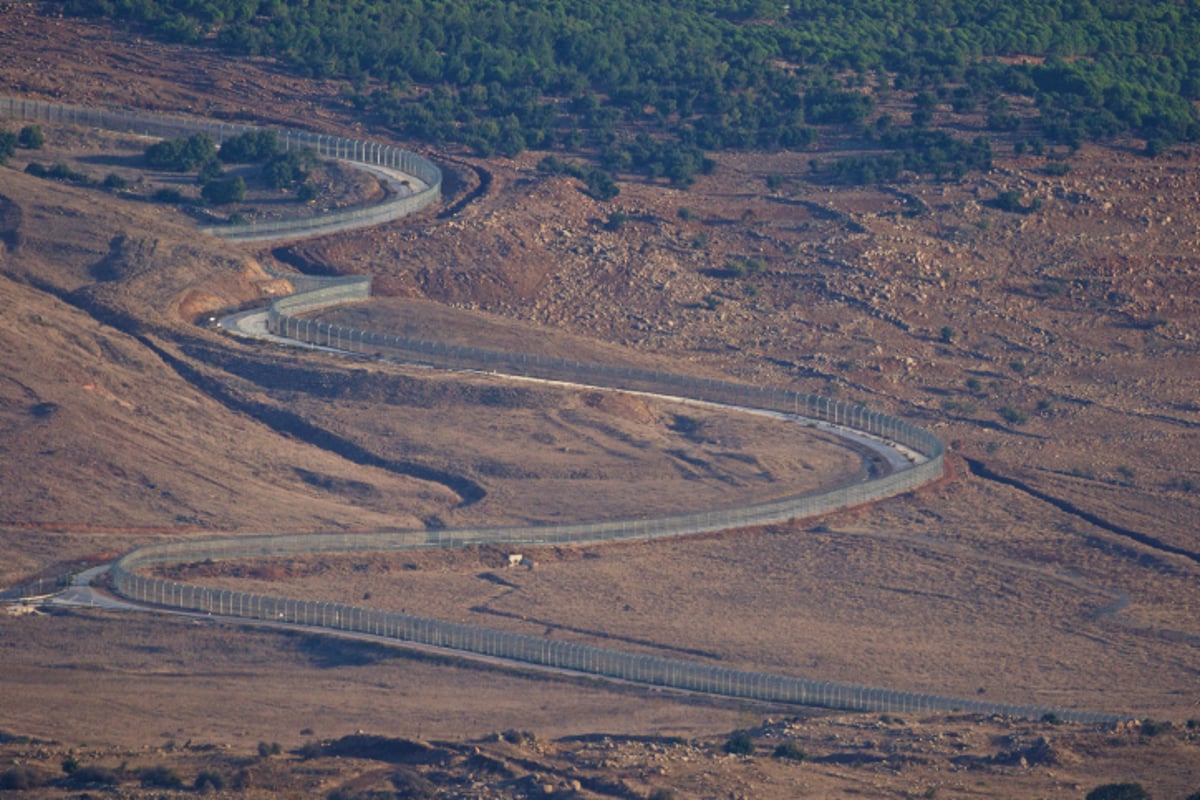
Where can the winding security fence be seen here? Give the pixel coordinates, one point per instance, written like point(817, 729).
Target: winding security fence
point(425, 186)
point(657, 671)
point(42, 587)
point(926, 464)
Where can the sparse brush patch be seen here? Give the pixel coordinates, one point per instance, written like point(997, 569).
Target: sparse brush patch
point(790, 751)
point(22, 777)
point(160, 776)
point(1153, 727)
point(208, 779)
point(740, 743)
point(93, 775)
point(309, 750)
point(1118, 791)
point(1013, 416)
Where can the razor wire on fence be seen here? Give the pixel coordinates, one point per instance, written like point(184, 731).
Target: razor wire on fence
point(370, 154)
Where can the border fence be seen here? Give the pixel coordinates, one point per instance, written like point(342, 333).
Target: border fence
point(428, 177)
point(41, 587)
point(926, 465)
point(283, 319)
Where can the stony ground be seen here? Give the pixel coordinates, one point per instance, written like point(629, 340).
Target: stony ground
point(1055, 352)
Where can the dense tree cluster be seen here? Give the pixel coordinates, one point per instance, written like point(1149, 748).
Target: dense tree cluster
point(183, 154)
point(249, 148)
point(279, 170)
point(717, 74)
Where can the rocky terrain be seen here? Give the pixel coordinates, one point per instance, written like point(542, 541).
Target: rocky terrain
point(1054, 350)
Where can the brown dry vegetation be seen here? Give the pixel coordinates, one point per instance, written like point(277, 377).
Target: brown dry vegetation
point(1057, 565)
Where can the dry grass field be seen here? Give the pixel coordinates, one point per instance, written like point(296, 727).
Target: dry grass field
point(1058, 562)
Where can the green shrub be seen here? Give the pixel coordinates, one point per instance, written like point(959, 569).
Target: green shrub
point(160, 777)
point(8, 146)
point(22, 777)
point(310, 750)
point(1013, 416)
point(1118, 791)
point(616, 220)
point(249, 148)
point(1153, 727)
point(601, 185)
point(31, 137)
point(790, 751)
point(741, 743)
point(411, 784)
point(93, 775)
point(1056, 168)
point(209, 779)
point(115, 182)
point(220, 193)
point(209, 171)
point(183, 154)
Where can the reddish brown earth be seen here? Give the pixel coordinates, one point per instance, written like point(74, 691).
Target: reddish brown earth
point(1055, 352)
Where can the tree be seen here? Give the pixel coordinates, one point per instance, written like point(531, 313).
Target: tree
point(8, 145)
point(287, 169)
point(249, 148)
point(741, 743)
point(219, 193)
point(183, 154)
point(31, 137)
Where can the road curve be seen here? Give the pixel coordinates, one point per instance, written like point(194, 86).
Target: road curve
point(480, 642)
point(906, 470)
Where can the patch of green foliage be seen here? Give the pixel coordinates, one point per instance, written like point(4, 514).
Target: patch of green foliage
point(740, 743)
point(249, 148)
point(183, 154)
point(8, 146)
point(722, 74)
point(1119, 791)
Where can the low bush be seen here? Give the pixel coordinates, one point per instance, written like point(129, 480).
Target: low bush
point(31, 137)
point(183, 154)
point(21, 777)
point(1013, 416)
point(209, 779)
point(92, 775)
point(1118, 791)
point(269, 749)
point(741, 743)
point(1153, 727)
point(160, 777)
point(790, 751)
